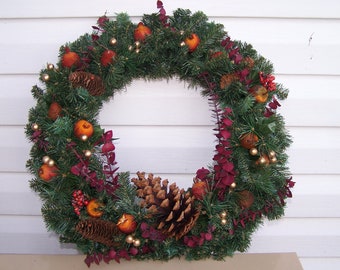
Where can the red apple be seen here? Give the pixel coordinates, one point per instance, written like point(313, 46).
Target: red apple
point(108, 57)
point(69, 59)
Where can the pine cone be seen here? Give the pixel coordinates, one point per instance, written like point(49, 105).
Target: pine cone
point(173, 206)
point(98, 230)
point(249, 62)
point(89, 81)
point(227, 79)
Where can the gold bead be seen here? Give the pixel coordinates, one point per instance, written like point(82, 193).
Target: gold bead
point(45, 77)
point(262, 160)
point(113, 41)
point(87, 153)
point(273, 160)
point(35, 126)
point(233, 185)
point(45, 159)
point(253, 151)
point(137, 50)
point(50, 66)
point(136, 242)
point(83, 138)
point(181, 32)
point(129, 239)
point(182, 44)
point(137, 43)
point(51, 163)
point(223, 221)
point(272, 154)
point(130, 48)
point(223, 214)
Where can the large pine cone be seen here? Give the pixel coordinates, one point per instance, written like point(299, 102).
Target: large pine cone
point(173, 206)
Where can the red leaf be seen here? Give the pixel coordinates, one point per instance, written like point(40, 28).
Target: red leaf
point(225, 134)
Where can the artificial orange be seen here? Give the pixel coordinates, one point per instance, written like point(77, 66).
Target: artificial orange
point(249, 140)
point(47, 172)
point(93, 208)
point(127, 223)
point(83, 128)
point(192, 42)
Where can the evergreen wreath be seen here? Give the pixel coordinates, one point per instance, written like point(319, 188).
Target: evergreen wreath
point(109, 216)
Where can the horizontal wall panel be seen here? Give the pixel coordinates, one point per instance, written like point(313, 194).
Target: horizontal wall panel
point(320, 263)
point(305, 52)
point(248, 8)
point(313, 196)
point(178, 105)
point(182, 149)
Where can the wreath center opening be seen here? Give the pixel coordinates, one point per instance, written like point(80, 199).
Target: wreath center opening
point(161, 126)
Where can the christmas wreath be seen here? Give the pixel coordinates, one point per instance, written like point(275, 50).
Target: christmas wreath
point(110, 216)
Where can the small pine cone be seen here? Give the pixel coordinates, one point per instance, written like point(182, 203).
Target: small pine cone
point(174, 208)
point(89, 81)
point(98, 230)
point(249, 62)
point(227, 79)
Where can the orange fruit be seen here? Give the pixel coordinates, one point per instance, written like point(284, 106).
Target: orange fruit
point(192, 42)
point(54, 111)
point(260, 93)
point(83, 128)
point(199, 189)
point(92, 208)
point(69, 59)
point(47, 172)
point(141, 32)
point(249, 140)
point(127, 223)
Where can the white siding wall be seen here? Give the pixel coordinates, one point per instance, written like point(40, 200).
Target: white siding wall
point(165, 128)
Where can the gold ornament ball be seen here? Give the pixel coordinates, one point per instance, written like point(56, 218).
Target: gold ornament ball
point(181, 32)
point(45, 77)
point(35, 126)
point(273, 160)
point(130, 48)
point(137, 50)
point(223, 221)
point(113, 41)
point(182, 44)
point(233, 185)
point(253, 151)
point(129, 239)
point(137, 43)
point(87, 153)
point(262, 160)
point(136, 242)
point(51, 163)
point(83, 138)
point(45, 159)
point(50, 66)
point(272, 154)
point(223, 214)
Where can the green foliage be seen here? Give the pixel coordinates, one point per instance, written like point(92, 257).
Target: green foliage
point(161, 55)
